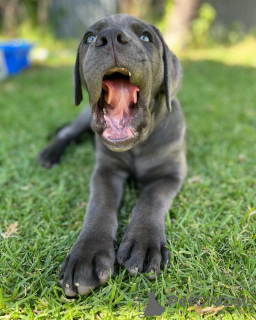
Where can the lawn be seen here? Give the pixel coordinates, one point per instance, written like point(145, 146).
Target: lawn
point(211, 227)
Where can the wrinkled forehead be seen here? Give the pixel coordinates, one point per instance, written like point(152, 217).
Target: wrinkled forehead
point(120, 21)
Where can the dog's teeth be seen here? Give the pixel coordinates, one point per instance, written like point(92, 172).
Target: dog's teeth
point(104, 111)
point(130, 74)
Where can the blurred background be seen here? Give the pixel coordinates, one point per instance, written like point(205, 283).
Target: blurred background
point(52, 28)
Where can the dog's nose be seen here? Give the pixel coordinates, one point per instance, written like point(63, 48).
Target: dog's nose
point(111, 36)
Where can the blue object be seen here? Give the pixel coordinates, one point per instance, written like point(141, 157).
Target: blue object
point(16, 55)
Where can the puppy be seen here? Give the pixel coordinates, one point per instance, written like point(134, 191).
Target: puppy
point(131, 77)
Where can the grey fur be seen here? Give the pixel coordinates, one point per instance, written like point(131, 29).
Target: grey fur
point(155, 157)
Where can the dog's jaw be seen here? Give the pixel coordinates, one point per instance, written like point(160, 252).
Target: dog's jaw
point(136, 129)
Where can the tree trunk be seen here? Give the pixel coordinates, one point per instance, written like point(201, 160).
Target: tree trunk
point(9, 15)
point(179, 21)
point(43, 7)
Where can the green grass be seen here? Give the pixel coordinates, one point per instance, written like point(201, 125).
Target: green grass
point(211, 226)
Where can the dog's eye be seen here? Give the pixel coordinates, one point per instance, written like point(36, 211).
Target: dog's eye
point(144, 37)
point(89, 38)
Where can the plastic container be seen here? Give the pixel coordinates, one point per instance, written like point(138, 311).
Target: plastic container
point(16, 55)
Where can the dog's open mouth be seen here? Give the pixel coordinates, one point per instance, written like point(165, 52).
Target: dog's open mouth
point(117, 105)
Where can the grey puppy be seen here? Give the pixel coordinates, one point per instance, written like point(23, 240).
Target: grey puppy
point(131, 77)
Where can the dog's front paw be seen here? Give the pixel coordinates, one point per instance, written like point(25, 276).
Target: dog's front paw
point(143, 250)
point(52, 154)
point(87, 266)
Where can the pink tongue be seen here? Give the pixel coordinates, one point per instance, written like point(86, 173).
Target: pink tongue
point(120, 95)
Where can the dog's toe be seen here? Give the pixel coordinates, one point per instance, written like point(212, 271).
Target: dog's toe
point(154, 259)
point(131, 257)
point(83, 290)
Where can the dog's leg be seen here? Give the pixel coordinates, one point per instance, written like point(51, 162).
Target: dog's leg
point(52, 154)
point(91, 259)
point(143, 246)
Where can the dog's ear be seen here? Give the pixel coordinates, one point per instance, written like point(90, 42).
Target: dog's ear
point(172, 71)
point(77, 80)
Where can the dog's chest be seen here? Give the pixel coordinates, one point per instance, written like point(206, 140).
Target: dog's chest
point(153, 163)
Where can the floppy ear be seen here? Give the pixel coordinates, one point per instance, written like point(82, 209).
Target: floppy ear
point(172, 71)
point(77, 80)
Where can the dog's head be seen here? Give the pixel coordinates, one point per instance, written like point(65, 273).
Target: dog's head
point(124, 64)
